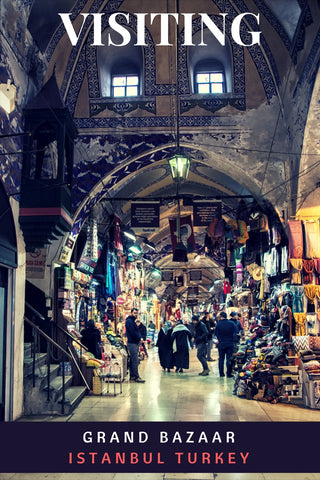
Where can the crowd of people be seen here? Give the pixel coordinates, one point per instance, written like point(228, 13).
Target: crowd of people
point(176, 338)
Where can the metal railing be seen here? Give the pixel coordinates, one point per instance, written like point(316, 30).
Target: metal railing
point(65, 353)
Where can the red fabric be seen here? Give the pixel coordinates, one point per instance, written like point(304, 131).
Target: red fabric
point(186, 229)
point(117, 235)
point(295, 235)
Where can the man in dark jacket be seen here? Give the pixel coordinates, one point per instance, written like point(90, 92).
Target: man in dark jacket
point(225, 332)
point(201, 337)
point(133, 340)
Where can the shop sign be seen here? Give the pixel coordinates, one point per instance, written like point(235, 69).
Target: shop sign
point(145, 217)
point(86, 263)
point(192, 302)
point(193, 291)
point(66, 252)
point(36, 263)
point(205, 211)
point(167, 275)
point(195, 275)
point(120, 301)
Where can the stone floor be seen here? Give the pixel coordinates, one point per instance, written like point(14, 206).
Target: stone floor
point(177, 397)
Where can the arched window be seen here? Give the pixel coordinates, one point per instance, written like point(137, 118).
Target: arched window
point(125, 81)
point(209, 77)
point(120, 68)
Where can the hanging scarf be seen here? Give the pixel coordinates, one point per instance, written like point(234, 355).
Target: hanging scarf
point(297, 266)
point(300, 319)
point(295, 235)
point(312, 236)
point(311, 292)
point(308, 267)
point(317, 270)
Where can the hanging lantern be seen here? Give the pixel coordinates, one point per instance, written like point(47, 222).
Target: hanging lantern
point(179, 167)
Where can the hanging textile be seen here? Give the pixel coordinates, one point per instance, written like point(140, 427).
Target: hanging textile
point(275, 236)
point(117, 235)
point(308, 267)
point(243, 232)
point(298, 293)
point(312, 239)
point(311, 292)
point(284, 260)
point(295, 235)
point(297, 266)
point(317, 270)
point(300, 319)
point(239, 270)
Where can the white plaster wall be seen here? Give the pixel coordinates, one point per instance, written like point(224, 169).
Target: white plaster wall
point(17, 318)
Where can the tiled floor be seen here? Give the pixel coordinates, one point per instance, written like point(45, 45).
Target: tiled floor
point(177, 397)
point(184, 397)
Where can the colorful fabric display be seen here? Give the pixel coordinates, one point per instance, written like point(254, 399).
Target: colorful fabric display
point(284, 260)
point(301, 343)
point(243, 232)
point(308, 267)
point(312, 323)
point(300, 319)
point(314, 343)
point(311, 292)
point(296, 268)
point(312, 236)
point(295, 235)
point(298, 293)
point(239, 270)
point(316, 262)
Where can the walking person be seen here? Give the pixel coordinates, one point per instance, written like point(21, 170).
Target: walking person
point(181, 337)
point(210, 324)
point(201, 336)
point(164, 344)
point(134, 338)
point(225, 332)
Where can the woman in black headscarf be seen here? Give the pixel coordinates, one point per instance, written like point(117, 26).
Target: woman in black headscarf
point(164, 344)
point(181, 337)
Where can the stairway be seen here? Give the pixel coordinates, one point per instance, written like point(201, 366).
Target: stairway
point(36, 400)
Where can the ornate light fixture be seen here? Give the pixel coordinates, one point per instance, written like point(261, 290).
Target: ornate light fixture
point(179, 167)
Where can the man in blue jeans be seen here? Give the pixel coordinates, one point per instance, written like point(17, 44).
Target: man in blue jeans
point(201, 337)
point(133, 340)
point(226, 332)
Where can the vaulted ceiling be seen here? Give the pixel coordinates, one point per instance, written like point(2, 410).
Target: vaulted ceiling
point(246, 145)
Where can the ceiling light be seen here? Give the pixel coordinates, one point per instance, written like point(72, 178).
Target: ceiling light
point(8, 96)
point(155, 272)
point(149, 244)
point(179, 167)
point(146, 259)
point(130, 234)
point(135, 249)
